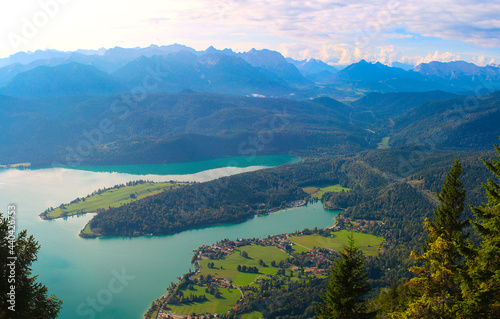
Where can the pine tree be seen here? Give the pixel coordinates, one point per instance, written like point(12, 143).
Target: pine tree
point(346, 287)
point(436, 287)
point(482, 292)
point(31, 298)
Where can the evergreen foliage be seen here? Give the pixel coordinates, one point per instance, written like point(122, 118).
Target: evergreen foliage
point(436, 287)
point(31, 297)
point(482, 290)
point(346, 288)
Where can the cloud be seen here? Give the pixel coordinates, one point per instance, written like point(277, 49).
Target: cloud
point(399, 36)
point(483, 61)
point(349, 21)
point(436, 56)
point(338, 31)
point(342, 54)
point(346, 31)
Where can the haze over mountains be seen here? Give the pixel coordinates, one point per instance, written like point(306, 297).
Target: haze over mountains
point(260, 72)
point(173, 103)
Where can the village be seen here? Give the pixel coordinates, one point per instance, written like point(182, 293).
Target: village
point(231, 274)
point(304, 264)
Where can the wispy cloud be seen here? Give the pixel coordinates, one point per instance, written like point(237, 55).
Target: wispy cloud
point(319, 20)
point(333, 30)
point(348, 30)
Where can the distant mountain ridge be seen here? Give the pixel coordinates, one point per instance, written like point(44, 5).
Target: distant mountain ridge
point(72, 79)
point(378, 106)
point(275, 63)
point(378, 77)
point(365, 71)
point(454, 124)
point(170, 127)
point(314, 70)
point(457, 70)
point(255, 72)
point(215, 73)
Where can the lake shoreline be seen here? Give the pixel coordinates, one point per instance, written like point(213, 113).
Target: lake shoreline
point(267, 213)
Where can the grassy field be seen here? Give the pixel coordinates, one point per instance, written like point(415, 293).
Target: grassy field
point(231, 262)
point(212, 305)
point(86, 230)
point(317, 192)
point(252, 315)
point(369, 244)
point(111, 198)
point(384, 144)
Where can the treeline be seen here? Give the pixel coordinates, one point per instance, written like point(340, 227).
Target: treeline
point(295, 301)
point(282, 297)
point(177, 296)
point(225, 200)
point(249, 269)
point(426, 167)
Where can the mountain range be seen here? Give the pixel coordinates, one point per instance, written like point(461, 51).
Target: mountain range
point(173, 103)
point(256, 72)
point(177, 127)
point(170, 127)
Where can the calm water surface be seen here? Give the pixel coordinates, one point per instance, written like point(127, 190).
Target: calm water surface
point(120, 277)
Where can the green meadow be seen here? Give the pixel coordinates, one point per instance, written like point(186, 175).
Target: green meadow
point(227, 267)
point(384, 144)
point(111, 198)
point(369, 244)
point(252, 315)
point(317, 192)
point(228, 299)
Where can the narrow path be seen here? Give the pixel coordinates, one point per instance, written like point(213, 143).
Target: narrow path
point(173, 315)
point(301, 245)
point(241, 292)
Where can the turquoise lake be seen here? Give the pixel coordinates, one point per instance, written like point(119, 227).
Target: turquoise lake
point(120, 277)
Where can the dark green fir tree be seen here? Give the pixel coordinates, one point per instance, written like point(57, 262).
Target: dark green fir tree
point(482, 292)
point(436, 288)
point(346, 287)
point(21, 296)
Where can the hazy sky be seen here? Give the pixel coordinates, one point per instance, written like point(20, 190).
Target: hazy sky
point(343, 31)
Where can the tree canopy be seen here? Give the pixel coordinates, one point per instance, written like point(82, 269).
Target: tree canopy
point(347, 286)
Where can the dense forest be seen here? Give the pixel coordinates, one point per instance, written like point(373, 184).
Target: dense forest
point(189, 126)
point(168, 128)
point(453, 276)
point(225, 200)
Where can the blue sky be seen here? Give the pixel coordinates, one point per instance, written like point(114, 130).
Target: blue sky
point(340, 32)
